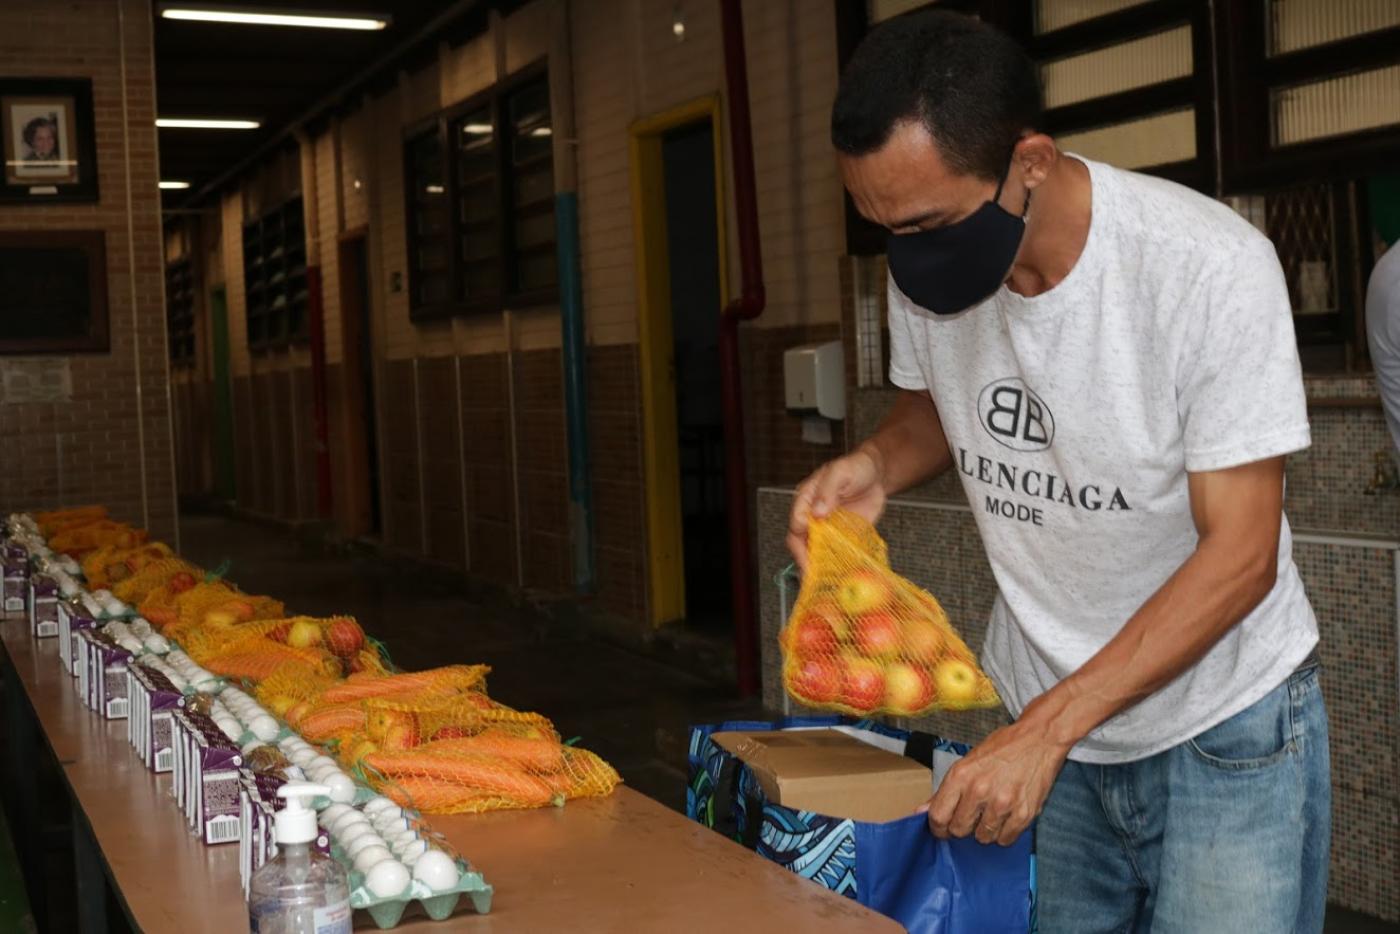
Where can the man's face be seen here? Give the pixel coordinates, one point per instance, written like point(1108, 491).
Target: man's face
point(43, 140)
point(906, 186)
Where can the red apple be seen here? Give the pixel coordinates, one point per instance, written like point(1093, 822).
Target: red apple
point(956, 681)
point(304, 634)
point(181, 581)
point(831, 614)
point(877, 635)
point(817, 681)
point(908, 690)
point(812, 636)
point(864, 685)
point(862, 592)
point(922, 640)
point(344, 637)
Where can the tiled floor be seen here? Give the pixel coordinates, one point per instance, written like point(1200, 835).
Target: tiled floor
point(631, 707)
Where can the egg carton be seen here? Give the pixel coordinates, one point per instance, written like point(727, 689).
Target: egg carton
point(388, 912)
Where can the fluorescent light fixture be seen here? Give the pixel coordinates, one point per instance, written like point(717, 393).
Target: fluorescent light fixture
point(542, 131)
point(205, 123)
point(477, 129)
point(174, 186)
point(269, 17)
point(434, 189)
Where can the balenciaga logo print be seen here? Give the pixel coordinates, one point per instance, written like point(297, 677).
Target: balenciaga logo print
point(1015, 416)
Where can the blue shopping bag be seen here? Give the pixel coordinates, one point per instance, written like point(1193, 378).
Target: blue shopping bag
point(897, 868)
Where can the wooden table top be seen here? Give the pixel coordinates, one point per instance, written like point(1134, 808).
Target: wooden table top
point(622, 863)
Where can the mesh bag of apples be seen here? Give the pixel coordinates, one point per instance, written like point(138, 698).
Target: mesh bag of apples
point(863, 640)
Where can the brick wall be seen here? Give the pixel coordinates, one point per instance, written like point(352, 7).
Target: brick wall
point(110, 442)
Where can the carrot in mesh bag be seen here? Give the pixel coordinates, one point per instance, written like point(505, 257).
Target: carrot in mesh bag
point(77, 540)
point(255, 661)
point(57, 519)
point(449, 679)
point(861, 639)
point(442, 778)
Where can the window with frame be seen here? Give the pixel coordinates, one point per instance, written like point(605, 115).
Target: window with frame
point(179, 311)
point(274, 277)
point(479, 180)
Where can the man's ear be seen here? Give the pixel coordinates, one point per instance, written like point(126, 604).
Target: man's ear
point(1033, 158)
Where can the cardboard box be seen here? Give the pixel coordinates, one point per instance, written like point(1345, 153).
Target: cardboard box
point(831, 773)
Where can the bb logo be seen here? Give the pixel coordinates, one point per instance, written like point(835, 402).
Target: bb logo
point(1015, 416)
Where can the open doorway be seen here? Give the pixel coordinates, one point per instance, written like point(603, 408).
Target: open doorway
point(360, 512)
point(692, 245)
point(679, 238)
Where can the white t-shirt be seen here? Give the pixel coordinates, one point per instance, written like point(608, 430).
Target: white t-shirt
point(1073, 418)
point(1383, 329)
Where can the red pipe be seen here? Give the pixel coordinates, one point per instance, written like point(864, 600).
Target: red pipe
point(316, 325)
point(746, 307)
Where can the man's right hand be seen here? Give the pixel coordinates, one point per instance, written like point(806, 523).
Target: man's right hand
point(854, 482)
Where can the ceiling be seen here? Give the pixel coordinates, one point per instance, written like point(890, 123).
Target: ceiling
point(273, 74)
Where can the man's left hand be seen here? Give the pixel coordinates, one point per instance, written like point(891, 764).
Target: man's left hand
point(999, 787)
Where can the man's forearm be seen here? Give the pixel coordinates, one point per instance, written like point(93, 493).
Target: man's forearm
point(909, 447)
point(1211, 592)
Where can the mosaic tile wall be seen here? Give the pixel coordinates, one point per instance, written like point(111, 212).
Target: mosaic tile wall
point(1326, 484)
point(1353, 590)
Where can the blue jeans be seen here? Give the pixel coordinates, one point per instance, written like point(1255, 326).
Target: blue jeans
point(1227, 832)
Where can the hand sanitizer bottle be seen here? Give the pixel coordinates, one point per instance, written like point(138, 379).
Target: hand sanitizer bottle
point(299, 891)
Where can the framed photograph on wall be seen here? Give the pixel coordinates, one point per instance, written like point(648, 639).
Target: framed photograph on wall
point(46, 131)
point(53, 292)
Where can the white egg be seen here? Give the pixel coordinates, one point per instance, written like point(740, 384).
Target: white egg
point(342, 787)
point(387, 879)
point(264, 727)
point(353, 848)
point(354, 818)
point(415, 849)
point(437, 870)
point(392, 825)
point(332, 811)
point(371, 856)
point(378, 803)
point(321, 762)
point(293, 773)
point(404, 838)
point(349, 832)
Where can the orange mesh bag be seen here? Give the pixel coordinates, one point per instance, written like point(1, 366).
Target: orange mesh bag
point(487, 772)
point(339, 635)
point(110, 565)
point(292, 686)
point(862, 640)
point(450, 679)
point(78, 540)
point(260, 659)
point(57, 519)
point(149, 576)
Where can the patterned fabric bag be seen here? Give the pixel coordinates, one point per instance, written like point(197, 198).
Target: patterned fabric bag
point(897, 868)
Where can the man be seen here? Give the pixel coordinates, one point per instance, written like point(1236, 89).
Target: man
point(1383, 332)
point(1115, 353)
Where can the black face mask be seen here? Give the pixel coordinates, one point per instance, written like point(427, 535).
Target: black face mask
point(951, 268)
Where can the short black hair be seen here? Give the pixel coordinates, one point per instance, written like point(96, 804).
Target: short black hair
point(974, 89)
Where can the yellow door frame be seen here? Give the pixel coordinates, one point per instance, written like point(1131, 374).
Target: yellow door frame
point(656, 345)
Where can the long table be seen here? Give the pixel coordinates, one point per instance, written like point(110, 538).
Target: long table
point(621, 863)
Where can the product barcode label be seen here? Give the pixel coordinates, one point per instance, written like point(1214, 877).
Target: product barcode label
point(221, 830)
point(165, 760)
point(117, 708)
